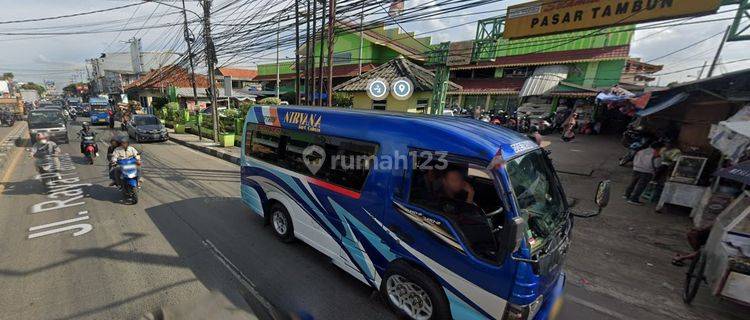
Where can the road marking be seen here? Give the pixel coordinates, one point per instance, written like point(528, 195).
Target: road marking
point(596, 307)
point(242, 279)
point(10, 168)
point(58, 223)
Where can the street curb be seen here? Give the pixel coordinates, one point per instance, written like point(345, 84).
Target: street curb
point(212, 152)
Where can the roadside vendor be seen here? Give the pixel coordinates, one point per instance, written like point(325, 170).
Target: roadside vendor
point(669, 155)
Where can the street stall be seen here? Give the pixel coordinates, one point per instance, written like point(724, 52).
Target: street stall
point(700, 118)
point(724, 262)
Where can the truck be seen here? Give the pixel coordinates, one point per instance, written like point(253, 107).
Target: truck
point(14, 105)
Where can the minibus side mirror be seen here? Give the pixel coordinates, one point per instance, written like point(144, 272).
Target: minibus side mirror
point(601, 199)
point(513, 234)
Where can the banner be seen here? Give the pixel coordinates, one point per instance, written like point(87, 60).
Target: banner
point(555, 16)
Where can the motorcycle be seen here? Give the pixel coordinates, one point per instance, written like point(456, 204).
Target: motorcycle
point(7, 120)
point(129, 179)
point(89, 147)
point(635, 139)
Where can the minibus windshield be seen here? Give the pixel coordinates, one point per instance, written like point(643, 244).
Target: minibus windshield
point(539, 198)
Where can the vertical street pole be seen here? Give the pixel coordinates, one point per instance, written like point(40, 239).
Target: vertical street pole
point(189, 42)
point(312, 52)
point(718, 53)
point(331, 28)
point(307, 54)
point(210, 60)
point(296, 51)
point(320, 63)
point(361, 36)
point(278, 69)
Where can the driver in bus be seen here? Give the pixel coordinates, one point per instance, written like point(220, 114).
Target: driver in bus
point(455, 186)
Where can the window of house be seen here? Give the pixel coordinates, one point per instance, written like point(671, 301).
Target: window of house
point(464, 194)
point(379, 105)
point(342, 57)
point(519, 72)
point(423, 106)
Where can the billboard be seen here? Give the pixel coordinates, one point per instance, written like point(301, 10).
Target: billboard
point(545, 17)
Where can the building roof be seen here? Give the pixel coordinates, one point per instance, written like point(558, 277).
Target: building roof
point(548, 58)
point(340, 71)
point(422, 78)
point(238, 73)
point(166, 77)
point(489, 86)
point(404, 43)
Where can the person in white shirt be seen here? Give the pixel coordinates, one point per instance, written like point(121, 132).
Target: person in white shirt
point(645, 163)
point(124, 151)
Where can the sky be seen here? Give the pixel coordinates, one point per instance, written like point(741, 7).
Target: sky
point(61, 57)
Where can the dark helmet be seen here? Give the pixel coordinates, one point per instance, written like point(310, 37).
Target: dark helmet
point(86, 126)
point(123, 139)
point(534, 128)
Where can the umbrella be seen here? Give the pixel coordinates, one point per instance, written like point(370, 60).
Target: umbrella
point(739, 172)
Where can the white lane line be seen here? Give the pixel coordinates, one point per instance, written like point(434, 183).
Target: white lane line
point(241, 278)
point(596, 307)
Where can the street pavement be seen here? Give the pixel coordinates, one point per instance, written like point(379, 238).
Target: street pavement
point(188, 235)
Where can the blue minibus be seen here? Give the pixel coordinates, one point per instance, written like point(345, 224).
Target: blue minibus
point(99, 110)
point(447, 217)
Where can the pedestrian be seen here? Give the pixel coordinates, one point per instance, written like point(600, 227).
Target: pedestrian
point(569, 127)
point(645, 163)
point(535, 135)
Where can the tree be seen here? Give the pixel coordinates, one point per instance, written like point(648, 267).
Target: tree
point(342, 100)
point(40, 89)
point(8, 76)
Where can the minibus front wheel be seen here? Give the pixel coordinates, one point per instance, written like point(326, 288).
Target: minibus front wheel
point(281, 223)
point(413, 294)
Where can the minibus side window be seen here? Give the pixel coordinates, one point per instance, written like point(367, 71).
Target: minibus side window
point(346, 162)
point(464, 194)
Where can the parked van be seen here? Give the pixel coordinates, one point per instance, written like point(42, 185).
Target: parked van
point(448, 217)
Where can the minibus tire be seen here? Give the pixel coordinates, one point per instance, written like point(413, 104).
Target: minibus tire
point(440, 307)
point(285, 219)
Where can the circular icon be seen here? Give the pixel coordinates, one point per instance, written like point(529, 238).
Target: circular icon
point(377, 89)
point(402, 88)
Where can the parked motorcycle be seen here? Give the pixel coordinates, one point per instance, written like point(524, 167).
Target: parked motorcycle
point(89, 148)
point(129, 179)
point(7, 119)
point(635, 139)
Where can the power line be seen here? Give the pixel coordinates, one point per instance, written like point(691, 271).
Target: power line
point(71, 15)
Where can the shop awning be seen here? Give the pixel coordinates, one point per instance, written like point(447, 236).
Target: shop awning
point(544, 79)
point(663, 105)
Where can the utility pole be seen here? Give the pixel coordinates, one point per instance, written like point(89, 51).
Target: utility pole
point(189, 41)
point(296, 50)
point(331, 28)
point(210, 61)
point(718, 53)
point(308, 50)
point(278, 69)
point(312, 51)
point(320, 63)
point(361, 36)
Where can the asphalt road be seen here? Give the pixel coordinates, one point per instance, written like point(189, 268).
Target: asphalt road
point(137, 258)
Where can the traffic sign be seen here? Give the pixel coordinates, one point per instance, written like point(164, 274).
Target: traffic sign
point(402, 88)
point(377, 89)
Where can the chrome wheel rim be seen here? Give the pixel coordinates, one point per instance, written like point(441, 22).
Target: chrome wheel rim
point(409, 297)
point(279, 222)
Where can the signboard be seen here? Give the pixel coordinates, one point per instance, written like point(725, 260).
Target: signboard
point(459, 53)
point(545, 17)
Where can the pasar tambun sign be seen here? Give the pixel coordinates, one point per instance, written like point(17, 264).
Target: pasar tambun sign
point(554, 16)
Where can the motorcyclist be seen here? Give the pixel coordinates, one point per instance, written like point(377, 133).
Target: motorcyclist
point(85, 132)
point(65, 114)
point(44, 147)
point(123, 151)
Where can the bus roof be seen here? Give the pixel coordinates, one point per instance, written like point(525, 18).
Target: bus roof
point(463, 136)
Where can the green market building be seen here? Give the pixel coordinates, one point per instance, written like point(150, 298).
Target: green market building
point(491, 72)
